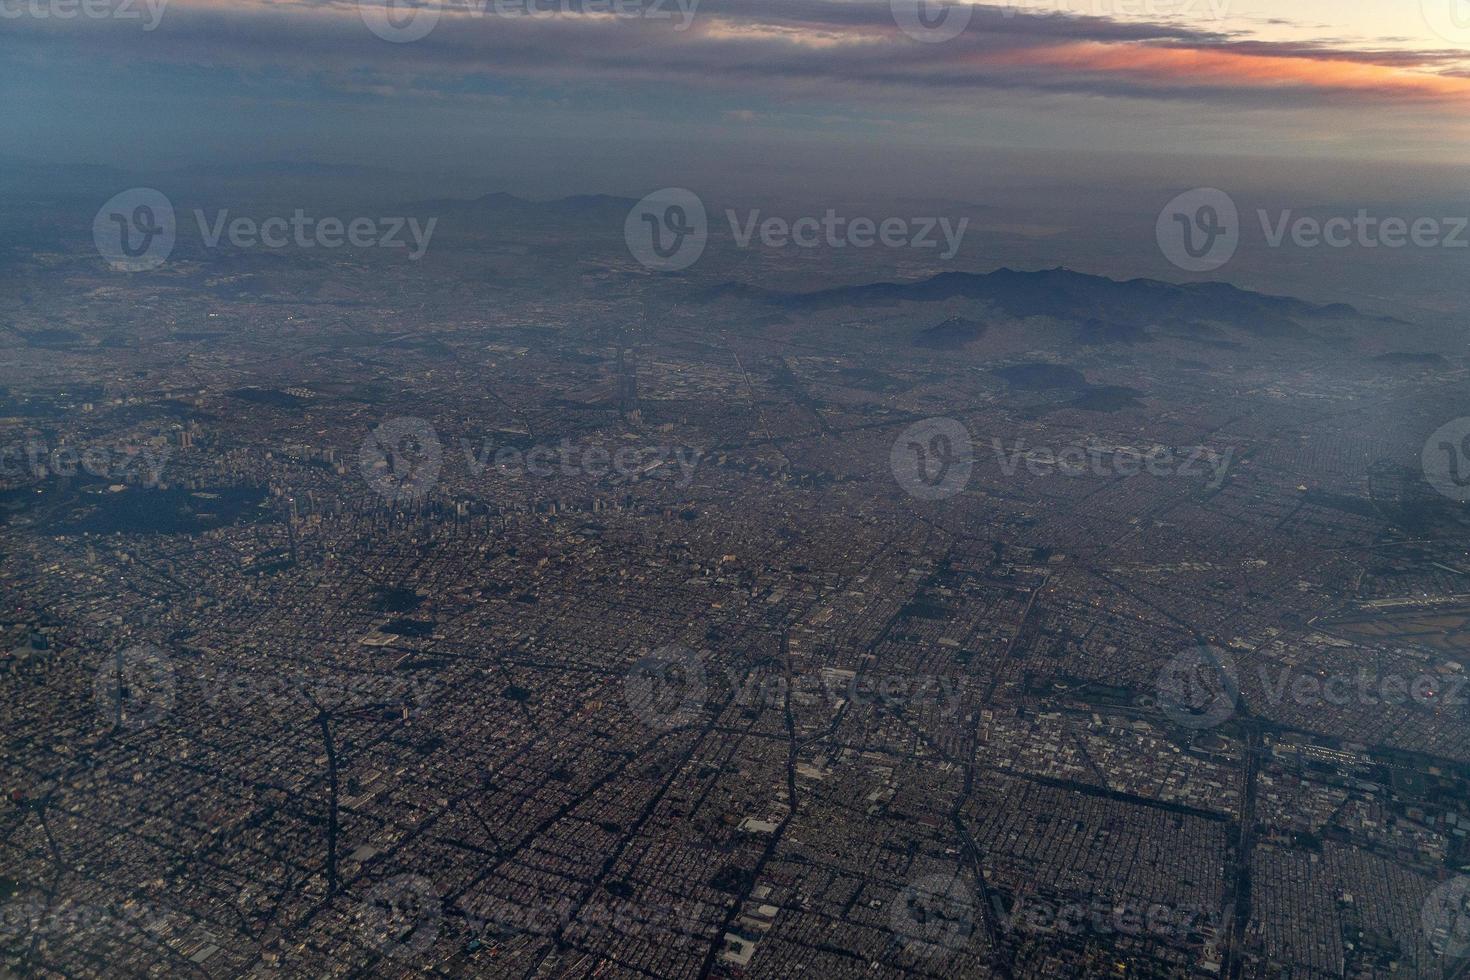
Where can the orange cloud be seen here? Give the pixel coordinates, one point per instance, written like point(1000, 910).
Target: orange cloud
point(1235, 69)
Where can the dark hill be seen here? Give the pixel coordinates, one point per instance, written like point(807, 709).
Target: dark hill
point(952, 334)
point(1098, 304)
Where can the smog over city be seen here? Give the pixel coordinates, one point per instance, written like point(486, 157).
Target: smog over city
point(735, 489)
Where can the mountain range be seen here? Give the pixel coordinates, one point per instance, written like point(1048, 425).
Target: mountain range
point(1106, 310)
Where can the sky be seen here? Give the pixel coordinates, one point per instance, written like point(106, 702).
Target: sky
point(850, 93)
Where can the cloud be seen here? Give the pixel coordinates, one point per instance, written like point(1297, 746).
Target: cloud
point(845, 51)
point(1227, 69)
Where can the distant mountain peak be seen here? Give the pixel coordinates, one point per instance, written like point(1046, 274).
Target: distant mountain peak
point(1066, 295)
